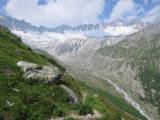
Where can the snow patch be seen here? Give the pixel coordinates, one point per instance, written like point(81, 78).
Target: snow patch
point(120, 30)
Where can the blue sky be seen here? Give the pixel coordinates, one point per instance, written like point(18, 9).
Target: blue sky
point(73, 12)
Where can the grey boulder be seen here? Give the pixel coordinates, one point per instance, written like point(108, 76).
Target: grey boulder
point(47, 74)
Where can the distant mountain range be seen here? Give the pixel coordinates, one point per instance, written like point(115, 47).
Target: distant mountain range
point(114, 28)
point(66, 39)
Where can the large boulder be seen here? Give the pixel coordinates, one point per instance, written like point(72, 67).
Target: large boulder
point(47, 74)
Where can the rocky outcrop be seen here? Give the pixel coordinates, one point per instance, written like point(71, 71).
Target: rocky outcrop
point(47, 74)
point(73, 97)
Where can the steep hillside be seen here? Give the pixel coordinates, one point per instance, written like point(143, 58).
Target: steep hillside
point(27, 99)
point(140, 52)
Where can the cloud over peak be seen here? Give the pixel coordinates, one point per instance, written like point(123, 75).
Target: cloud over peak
point(121, 8)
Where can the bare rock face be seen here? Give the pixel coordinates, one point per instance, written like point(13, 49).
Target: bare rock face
point(47, 74)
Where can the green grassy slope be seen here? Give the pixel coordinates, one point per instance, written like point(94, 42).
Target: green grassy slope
point(112, 107)
point(32, 101)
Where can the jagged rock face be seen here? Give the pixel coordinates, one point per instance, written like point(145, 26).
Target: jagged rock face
point(47, 74)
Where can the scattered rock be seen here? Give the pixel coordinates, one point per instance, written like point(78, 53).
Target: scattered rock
point(73, 97)
point(10, 104)
point(153, 91)
point(47, 74)
point(15, 90)
point(19, 52)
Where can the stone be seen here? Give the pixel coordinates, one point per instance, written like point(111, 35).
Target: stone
point(73, 97)
point(47, 74)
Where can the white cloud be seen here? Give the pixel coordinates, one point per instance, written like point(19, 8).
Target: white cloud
point(71, 12)
point(153, 14)
point(127, 9)
point(121, 8)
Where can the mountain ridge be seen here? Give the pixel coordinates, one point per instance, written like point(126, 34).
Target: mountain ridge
point(90, 30)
